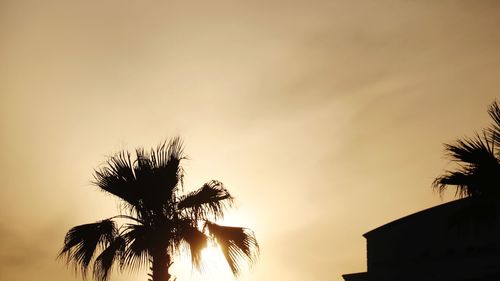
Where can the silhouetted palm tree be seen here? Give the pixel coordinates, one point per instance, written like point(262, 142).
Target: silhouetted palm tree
point(478, 172)
point(494, 130)
point(158, 220)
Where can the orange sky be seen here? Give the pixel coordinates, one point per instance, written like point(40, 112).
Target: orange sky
point(324, 118)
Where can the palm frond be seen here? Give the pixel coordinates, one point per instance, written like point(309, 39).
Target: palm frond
point(459, 179)
point(81, 242)
point(474, 151)
point(478, 171)
point(494, 130)
point(211, 199)
point(158, 173)
point(148, 180)
point(167, 152)
point(195, 239)
point(117, 177)
point(138, 240)
point(104, 262)
point(238, 244)
point(166, 160)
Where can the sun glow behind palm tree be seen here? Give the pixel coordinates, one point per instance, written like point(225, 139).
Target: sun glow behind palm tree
point(161, 222)
point(211, 253)
point(213, 266)
point(213, 260)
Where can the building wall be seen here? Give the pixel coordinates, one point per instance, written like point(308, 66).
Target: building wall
point(437, 244)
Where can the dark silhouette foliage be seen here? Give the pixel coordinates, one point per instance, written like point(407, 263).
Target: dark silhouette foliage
point(159, 220)
point(477, 176)
point(478, 172)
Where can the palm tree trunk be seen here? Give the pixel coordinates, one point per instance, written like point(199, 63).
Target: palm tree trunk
point(161, 264)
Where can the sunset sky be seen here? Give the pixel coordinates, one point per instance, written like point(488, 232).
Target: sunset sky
point(325, 119)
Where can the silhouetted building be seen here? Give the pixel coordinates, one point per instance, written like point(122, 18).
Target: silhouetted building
point(456, 241)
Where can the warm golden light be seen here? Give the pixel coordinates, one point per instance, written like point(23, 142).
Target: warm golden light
point(213, 267)
point(212, 256)
point(324, 118)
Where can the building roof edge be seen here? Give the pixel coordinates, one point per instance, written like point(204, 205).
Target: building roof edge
point(414, 215)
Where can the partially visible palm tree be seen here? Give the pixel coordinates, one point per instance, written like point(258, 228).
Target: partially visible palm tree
point(494, 130)
point(158, 220)
point(478, 172)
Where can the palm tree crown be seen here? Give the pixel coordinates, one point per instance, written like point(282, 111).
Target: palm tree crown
point(478, 159)
point(158, 219)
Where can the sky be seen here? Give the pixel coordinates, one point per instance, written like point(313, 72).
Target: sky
point(324, 118)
